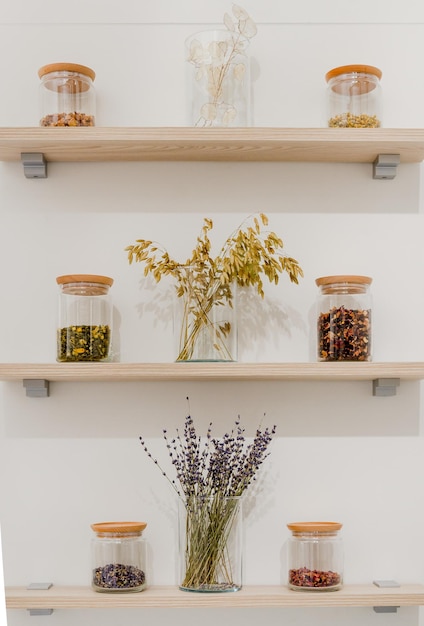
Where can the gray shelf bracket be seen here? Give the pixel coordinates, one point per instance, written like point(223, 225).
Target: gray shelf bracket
point(385, 609)
point(35, 165)
point(385, 386)
point(386, 584)
point(385, 166)
point(40, 611)
point(40, 587)
point(36, 387)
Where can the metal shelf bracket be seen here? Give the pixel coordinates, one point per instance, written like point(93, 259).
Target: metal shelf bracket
point(386, 584)
point(385, 386)
point(385, 166)
point(35, 165)
point(36, 387)
point(40, 611)
point(40, 587)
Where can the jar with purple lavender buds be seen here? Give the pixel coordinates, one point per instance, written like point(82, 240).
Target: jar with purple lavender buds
point(118, 557)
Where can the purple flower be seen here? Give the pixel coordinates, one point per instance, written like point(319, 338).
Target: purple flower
point(212, 466)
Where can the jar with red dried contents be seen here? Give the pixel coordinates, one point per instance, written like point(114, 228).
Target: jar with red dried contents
point(67, 97)
point(344, 318)
point(315, 556)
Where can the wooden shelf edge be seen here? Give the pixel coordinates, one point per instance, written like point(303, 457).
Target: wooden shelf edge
point(97, 144)
point(247, 597)
point(127, 372)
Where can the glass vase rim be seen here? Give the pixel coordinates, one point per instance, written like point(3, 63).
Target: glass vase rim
point(184, 499)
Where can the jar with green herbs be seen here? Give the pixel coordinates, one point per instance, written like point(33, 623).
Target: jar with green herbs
point(344, 318)
point(84, 331)
point(354, 96)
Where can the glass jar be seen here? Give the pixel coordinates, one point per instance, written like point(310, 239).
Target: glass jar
point(67, 96)
point(354, 96)
point(118, 557)
point(344, 318)
point(315, 556)
point(85, 318)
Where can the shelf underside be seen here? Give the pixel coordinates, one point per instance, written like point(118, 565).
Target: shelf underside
point(247, 597)
point(116, 372)
point(212, 144)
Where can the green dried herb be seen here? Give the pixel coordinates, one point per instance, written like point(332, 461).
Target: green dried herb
point(83, 343)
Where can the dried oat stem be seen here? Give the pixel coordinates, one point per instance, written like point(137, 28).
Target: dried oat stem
point(247, 256)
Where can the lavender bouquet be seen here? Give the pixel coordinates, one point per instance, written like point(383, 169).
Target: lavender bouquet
point(211, 476)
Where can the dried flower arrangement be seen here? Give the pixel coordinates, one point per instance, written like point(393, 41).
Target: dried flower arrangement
point(218, 61)
point(210, 475)
point(246, 256)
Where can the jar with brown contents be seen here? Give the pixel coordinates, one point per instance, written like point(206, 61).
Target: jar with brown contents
point(315, 556)
point(344, 318)
point(67, 95)
point(354, 96)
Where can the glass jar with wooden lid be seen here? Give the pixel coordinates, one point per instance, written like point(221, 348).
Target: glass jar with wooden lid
point(84, 331)
point(315, 556)
point(354, 97)
point(67, 97)
point(118, 557)
point(344, 318)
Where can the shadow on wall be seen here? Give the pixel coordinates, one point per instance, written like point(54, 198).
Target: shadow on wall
point(258, 320)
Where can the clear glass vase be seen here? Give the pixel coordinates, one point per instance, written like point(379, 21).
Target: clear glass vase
point(205, 319)
point(210, 543)
point(218, 79)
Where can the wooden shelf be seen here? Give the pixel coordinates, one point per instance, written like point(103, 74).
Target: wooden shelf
point(120, 372)
point(36, 377)
point(212, 144)
point(247, 597)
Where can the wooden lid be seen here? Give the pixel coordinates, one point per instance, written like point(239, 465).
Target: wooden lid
point(314, 527)
point(67, 67)
point(84, 278)
point(357, 69)
point(344, 278)
point(119, 527)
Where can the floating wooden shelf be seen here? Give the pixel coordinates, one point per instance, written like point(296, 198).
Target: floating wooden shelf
point(212, 144)
point(247, 597)
point(385, 376)
point(119, 372)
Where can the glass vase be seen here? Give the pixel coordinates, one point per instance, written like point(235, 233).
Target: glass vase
point(210, 543)
point(218, 79)
point(205, 319)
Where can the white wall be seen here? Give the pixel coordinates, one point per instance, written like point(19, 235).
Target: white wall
point(341, 453)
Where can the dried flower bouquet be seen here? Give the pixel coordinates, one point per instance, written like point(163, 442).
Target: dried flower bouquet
point(220, 68)
point(247, 255)
point(211, 475)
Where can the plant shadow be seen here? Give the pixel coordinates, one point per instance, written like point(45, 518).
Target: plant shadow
point(259, 320)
